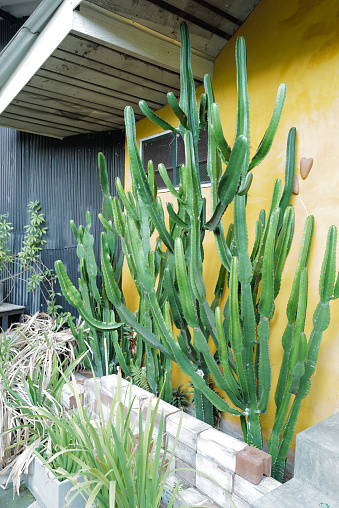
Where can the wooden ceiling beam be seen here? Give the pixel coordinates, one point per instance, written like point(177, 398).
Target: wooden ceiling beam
point(192, 19)
point(218, 11)
point(135, 40)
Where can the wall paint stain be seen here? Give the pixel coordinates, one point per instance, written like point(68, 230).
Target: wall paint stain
point(319, 29)
point(284, 68)
point(304, 7)
point(328, 51)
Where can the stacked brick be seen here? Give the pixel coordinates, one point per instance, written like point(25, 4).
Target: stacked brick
point(205, 458)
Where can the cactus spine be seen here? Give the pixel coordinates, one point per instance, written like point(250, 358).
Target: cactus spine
point(169, 277)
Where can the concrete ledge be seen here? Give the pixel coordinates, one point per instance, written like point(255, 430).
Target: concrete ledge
point(317, 456)
point(295, 494)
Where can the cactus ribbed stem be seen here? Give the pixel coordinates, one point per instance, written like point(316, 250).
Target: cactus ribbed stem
point(278, 466)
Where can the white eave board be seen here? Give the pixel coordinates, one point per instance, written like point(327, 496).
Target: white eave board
point(86, 65)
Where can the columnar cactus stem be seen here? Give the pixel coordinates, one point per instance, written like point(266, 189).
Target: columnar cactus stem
point(301, 357)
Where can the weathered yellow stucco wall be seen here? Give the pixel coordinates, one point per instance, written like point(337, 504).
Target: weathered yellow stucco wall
point(296, 42)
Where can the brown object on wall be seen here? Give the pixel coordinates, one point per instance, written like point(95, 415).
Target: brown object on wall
point(295, 189)
point(252, 464)
point(305, 167)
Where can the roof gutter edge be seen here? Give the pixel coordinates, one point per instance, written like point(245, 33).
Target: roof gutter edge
point(25, 37)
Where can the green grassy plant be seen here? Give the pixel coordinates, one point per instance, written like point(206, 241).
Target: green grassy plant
point(30, 363)
point(116, 469)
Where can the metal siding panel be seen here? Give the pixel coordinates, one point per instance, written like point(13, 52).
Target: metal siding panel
point(63, 176)
point(8, 30)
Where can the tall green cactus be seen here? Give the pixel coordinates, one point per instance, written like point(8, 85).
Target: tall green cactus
point(300, 355)
point(108, 344)
point(91, 302)
point(169, 277)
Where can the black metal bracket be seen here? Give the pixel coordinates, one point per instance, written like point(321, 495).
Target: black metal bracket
point(9, 17)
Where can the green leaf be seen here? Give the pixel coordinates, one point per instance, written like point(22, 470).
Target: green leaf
point(328, 269)
point(302, 262)
point(289, 170)
point(235, 328)
point(175, 217)
point(103, 174)
point(267, 288)
point(128, 207)
point(164, 175)
point(73, 297)
point(267, 140)
point(155, 118)
point(186, 299)
point(245, 187)
point(141, 181)
point(172, 101)
point(218, 134)
point(243, 113)
point(230, 179)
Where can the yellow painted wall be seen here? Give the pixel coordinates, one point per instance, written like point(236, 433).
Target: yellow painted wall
point(296, 42)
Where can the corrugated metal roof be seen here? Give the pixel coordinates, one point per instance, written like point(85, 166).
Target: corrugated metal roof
point(92, 58)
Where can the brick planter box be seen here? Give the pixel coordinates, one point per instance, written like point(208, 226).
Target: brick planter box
point(209, 454)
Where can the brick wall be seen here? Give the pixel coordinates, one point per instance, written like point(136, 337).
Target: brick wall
point(208, 455)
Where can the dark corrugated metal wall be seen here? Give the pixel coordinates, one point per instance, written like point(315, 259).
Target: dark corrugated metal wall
point(63, 176)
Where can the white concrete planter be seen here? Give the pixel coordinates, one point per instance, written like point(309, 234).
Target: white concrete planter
point(47, 490)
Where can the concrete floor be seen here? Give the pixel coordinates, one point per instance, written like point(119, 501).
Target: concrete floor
point(24, 500)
